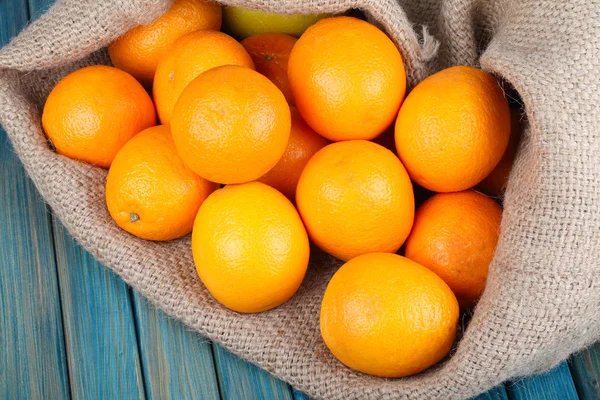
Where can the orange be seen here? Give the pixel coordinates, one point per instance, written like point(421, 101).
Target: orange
point(92, 112)
point(189, 56)
point(455, 235)
point(302, 145)
point(250, 247)
point(150, 192)
point(453, 129)
point(231, 125)
point(270, 53)
point(495, 183)
point(347, 78)
point(140, 49)
point(385, 315)
point(355, 197)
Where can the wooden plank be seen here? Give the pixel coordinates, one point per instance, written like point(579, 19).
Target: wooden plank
point(32, 362)
point(177, 362)
point(241, 380)
point(585, 368)
point(556, 384)
point(99, 325)
point(14, 16)
point(298, 395)
point(497, 393)
point(37, 7)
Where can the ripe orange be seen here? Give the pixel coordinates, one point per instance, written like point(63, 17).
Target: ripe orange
point(453, 129)
point(270, 53)
point(302, 145)
point(355, 197)
point(92, 112)
point(455, 235)
point(347, 78)
point(150, 192)
point(187, 58)
point(140, 49)
point(495, 183)
point(385, 315)
point(250, 247)
point(231, 125)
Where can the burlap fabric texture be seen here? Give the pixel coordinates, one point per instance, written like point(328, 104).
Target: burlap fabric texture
point(542, 300)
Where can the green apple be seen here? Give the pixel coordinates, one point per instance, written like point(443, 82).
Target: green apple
point(242, 22)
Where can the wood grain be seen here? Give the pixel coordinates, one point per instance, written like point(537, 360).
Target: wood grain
point(102, 348)
point(556, 384)
point(585, 368)
point(177, 362)
point(32, 359)
point(32, 355)
point(241, 380)
point(298, 395)
point(36, 7)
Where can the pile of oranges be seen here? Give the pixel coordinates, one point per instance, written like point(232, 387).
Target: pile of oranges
point(265, 145)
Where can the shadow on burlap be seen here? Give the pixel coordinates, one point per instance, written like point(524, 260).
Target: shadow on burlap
point(542, 300)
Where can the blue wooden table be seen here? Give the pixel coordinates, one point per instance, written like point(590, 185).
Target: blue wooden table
point(70, 328)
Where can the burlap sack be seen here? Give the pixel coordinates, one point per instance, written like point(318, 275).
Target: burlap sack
point(542, 300)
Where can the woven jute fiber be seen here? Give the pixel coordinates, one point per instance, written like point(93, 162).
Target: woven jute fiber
point(542, 300)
